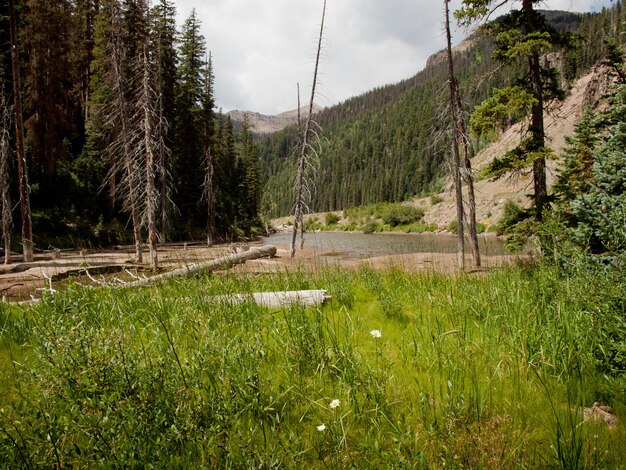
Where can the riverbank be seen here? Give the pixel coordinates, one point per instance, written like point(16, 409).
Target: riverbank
point(20, 281)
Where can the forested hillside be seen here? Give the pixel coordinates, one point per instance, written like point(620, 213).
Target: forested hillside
point(119, 126)
point(391, 143)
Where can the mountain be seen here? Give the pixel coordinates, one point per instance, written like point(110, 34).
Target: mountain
point(264, 124)
point(390, 144)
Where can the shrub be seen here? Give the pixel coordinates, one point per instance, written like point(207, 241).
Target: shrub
point(421, 228)
point(402, 215)
point(332, 218)
point(453, 226)
point(512, 215)
point(435, 199)
point(372, 226)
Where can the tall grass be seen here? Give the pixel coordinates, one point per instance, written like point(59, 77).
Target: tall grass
point(490, 371)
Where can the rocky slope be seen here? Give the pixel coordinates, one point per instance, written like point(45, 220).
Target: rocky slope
point(491, 195)
point(264, 124)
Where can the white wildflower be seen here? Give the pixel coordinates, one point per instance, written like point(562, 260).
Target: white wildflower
point(376, 333)
point(334, 404)
point(321, 427)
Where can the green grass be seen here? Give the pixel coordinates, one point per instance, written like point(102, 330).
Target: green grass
point(488, 371)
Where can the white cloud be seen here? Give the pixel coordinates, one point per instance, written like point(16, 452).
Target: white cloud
point(262, 48)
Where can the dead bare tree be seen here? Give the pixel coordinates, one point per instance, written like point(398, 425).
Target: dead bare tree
point(5, 156)
point(460, 249)
point(462, 139)
point(305, 149)
point(121, 151)
point(147, 103)
point(22, 168)
point(208, 193)
point(469, 181)
point(163, 156)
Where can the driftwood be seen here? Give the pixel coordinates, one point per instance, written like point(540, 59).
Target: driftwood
point(213, 265)
point(278, 299)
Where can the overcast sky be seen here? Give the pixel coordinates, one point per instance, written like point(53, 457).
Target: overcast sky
point(263, 48)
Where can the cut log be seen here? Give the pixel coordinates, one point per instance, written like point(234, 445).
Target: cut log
point(278, 299)
point(208, 266)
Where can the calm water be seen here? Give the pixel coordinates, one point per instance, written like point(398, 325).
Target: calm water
point(360, 245)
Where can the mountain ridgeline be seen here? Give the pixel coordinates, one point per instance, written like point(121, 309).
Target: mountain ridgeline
point(391, 143)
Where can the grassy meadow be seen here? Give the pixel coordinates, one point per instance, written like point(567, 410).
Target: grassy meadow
point(397, 371)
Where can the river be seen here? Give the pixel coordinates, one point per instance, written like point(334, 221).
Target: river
point(359, 245)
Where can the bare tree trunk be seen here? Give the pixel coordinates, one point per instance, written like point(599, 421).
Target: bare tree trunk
point(299, 134)
point(22, 169)
point(469, 181)
point(5, 197)
point(455, 146)
point(304, 149)
point(134, 210)
point(462, 139)
point(210, 196)
point(125, 136)
point(151, 195)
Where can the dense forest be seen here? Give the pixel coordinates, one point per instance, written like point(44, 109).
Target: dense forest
point(119, 127)
point(391, 143)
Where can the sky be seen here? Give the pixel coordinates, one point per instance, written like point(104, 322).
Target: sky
point(263, 48)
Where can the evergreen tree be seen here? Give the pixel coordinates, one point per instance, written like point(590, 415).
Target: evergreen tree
point(601, 212)
point(50, 109)
point(84, 23)
point(252, 175)
point(163, 46)
point(591, 188)
point(188, 152)
point(522, 35)
point(226, 185)
point(576, 174)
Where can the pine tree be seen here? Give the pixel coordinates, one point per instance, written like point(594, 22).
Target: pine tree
point(601, 211)
point(163, 45)
point(521, 35)
point(85, 21)
point(252, 174)
point(226, 185)
point(188, 150)
point(575, 176)
point(51, 73)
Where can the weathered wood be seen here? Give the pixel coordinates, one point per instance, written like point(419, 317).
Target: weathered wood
point(278, 299)
point(212, 265)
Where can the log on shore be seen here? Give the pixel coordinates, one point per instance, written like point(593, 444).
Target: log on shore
point(212, 265)
point(278, 299)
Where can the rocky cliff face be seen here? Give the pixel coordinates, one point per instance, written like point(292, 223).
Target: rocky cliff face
point(264, 124)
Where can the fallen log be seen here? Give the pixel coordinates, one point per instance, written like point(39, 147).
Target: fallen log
point(278, 299)
point(212, 265)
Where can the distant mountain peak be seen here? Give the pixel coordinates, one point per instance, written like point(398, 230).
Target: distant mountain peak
point(264, 124)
